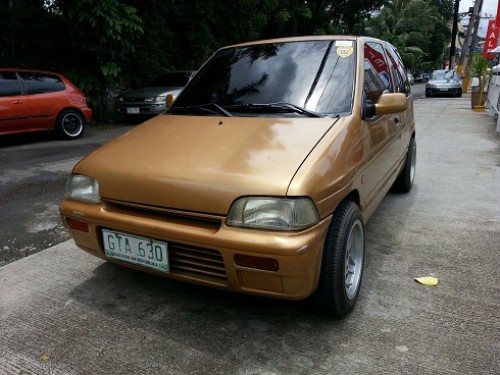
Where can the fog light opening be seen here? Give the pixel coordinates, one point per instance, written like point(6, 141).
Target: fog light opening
point(267, 264)
point(77, 224)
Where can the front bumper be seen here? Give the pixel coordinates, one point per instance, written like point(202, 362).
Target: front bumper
point(431, 91)
point(192, 239)
point(140, 108)
point(87, 114)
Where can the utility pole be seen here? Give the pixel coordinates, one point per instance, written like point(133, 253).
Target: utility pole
point(471, 30)
point(476, 26)
point(454, 34)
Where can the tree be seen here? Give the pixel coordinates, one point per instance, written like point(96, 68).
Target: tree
point(419, 28)
point(107, 31)
point(106, 44)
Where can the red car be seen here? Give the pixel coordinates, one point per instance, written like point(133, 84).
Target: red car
point(32, 100)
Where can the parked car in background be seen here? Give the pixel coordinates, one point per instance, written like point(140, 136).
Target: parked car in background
point(33, 100)
point(421, 77)
point(150, 100)
point(260, 177)
point(443, 82)
point(411, 79)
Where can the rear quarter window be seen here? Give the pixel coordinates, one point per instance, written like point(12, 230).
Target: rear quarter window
point(399, 70)
point(38, 83)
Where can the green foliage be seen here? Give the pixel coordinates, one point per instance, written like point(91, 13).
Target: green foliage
point(28, 37)
point(419, 28)
point(478, 65)
point(107, 31)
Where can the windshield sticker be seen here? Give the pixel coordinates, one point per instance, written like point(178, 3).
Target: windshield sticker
point(344, 51)
point(343, 43)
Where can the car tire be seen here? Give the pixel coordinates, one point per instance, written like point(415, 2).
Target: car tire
point(70, 124)
point(404, 182)
point(342, 263)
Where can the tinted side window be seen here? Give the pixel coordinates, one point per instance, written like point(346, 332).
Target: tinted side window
point(399, 70)
point(37, 83)
point(9, 84)
point(377, 75)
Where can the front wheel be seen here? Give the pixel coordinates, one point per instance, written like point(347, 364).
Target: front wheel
point(70, 124)
point(342, 263)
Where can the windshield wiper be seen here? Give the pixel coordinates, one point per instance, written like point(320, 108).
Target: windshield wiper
point(280, 107)
point(212, 108)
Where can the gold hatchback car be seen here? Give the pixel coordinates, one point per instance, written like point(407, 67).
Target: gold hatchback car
point(261, 175)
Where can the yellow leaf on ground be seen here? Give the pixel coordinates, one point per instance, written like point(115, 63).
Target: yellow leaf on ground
point(44, 358)
point(427, 280)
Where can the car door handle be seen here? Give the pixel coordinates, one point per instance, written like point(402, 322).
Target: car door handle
point(17, 101)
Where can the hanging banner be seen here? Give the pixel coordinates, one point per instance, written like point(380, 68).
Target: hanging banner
point(491, 39)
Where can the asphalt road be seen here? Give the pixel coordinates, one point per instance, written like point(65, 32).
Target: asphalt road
point(65, 312)
point(33, 171)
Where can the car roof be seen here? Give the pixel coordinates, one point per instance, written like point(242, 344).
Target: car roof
point(308, 38)
point(28, 70)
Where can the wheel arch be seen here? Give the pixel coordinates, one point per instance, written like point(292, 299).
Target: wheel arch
point(76, 109)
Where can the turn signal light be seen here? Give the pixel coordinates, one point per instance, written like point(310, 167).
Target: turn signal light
point(267, 264)
point(77, 224)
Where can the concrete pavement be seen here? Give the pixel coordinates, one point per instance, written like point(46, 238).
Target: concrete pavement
point(65, 312)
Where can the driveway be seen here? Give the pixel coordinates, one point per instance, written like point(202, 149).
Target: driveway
point(65, 312)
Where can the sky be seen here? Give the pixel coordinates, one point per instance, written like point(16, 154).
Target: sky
point(489, 9)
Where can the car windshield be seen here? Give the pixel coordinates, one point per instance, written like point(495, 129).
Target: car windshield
point(442, 74)
point(303, 78)
point(174, 79)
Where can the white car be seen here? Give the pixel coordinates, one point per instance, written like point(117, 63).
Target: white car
point(443, 82)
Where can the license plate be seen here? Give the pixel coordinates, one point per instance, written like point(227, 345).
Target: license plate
point(134, 249)
point(443, 89)
point(133, 110)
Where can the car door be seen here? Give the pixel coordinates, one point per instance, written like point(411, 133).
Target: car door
point(380, 132)
point(43, 93)
point(15, 112)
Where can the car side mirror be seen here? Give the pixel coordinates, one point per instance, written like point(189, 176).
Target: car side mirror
point(169, 100)
point(386, 104)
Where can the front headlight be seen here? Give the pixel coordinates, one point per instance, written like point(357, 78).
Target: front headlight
point(430, 86)
point(82, 188)
point(161, 98)
point(285, 214)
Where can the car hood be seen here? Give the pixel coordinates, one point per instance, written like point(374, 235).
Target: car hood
point(150, 92)
point(443, 82)
point(202, 164)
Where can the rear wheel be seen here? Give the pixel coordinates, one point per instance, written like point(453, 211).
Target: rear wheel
point(342, 263)
point(70, 124)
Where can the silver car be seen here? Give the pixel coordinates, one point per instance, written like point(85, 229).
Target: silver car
point(150, 100)
point(444, 82)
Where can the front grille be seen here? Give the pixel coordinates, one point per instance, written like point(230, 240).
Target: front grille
point(201, 220)
point(189, 261)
